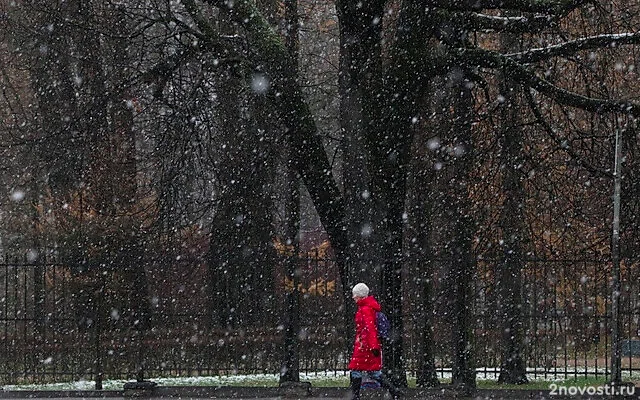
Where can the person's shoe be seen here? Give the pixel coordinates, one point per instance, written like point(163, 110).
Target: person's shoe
point(395, 392)
point(355, 388)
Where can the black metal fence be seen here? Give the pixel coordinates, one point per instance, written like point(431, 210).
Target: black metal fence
point(567, 316)
point(58, 323)
point(61, 324)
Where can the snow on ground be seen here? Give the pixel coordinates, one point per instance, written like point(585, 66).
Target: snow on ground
point(226, 380)
point(326, 377)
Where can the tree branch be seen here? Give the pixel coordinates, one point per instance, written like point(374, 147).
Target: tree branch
point(567, 48)
point(208, 41)
point(473, 58)
point(202, 23)
point(552, 7)
point(159, 75)
point(594, 171)
point(520, 24)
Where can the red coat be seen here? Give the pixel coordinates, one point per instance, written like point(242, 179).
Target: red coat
point(366, 337)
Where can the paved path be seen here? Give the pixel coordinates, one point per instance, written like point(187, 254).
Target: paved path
point(246, 393)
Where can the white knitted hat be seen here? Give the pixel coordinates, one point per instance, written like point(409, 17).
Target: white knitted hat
point(360, 290)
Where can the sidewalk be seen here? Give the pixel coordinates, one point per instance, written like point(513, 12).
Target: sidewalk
point(272, 393)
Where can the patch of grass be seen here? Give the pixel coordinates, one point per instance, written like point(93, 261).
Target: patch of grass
point(533, 385)
point(333, 382)
point(543, 385)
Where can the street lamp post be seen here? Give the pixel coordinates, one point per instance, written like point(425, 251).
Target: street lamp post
point(615, 256)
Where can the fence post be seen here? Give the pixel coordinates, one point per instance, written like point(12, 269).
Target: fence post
point(38, 304)
point(291, 365)
point(98, 373)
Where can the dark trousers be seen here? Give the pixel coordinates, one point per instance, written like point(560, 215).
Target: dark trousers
point(378, 376)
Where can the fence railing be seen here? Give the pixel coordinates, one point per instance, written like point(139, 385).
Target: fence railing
point(61, 324)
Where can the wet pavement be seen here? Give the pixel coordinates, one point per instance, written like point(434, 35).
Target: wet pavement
point(236, 393)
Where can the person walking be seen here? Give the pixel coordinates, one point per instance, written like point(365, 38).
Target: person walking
point(367, 353)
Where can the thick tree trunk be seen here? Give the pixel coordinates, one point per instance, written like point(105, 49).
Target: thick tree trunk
point(512, 366)
point(357, 192)
point(399, 100)
point(419, 243)
point(240, 254)
point(393, 106)
point(461, 247)
point(291, 365)
point(426, 374)
point(359, 78)
point(359, 69)
point(290, 371)
point(54, 92)
point(123, 171)
point(393, 263)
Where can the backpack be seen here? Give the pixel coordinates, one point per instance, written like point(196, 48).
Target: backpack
point(383, 325)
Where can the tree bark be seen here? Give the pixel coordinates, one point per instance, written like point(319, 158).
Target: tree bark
point(420, 246)
point(463, 259)
point(512, 367)
point(397, 102)
point(359, 78)
point(241, 261)
point(291, 365)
